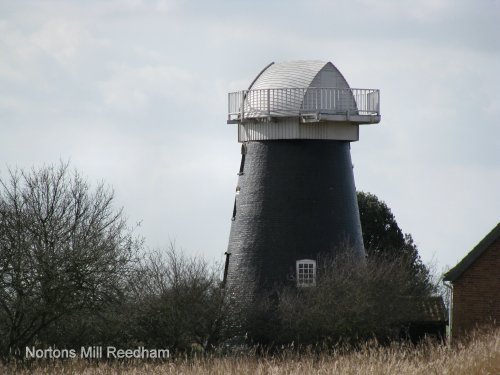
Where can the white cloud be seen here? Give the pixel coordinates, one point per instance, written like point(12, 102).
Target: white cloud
point(63, 40)
point(17, 54)
point(423, 9)
point(131, 89)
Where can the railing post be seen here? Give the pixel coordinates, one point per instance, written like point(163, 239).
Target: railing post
point(242, 105)
point(378, 102)
point(269, 103)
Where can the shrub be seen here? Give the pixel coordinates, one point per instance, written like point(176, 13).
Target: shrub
point(351, 302)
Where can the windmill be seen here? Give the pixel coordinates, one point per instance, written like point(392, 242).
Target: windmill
point(295, 199)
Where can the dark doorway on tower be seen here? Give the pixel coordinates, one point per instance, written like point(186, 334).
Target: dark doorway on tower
point(243, 154)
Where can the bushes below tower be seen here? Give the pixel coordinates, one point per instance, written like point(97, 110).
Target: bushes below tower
point(349, 303)
point(172, 301)
point(169, 301)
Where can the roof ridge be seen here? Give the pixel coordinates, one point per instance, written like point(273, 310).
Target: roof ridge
point(473, 255)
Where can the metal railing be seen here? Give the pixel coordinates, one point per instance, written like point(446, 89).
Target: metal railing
point(289, 102)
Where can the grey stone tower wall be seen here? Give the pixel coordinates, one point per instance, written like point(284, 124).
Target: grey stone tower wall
point(296, 200)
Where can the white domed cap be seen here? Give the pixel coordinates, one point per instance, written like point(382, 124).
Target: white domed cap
point(300, 73)
point(289, 89)
point(304, 99)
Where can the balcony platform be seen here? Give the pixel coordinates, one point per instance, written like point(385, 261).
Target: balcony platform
point(344, 105)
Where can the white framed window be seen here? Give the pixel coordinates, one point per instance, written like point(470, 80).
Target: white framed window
point(306, 272)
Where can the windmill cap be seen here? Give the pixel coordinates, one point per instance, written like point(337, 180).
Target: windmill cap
point(299, 73)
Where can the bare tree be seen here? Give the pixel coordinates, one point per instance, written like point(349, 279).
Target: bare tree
point(178, 301)
point(63, 248)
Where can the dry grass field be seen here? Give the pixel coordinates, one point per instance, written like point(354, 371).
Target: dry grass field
point(480, 356)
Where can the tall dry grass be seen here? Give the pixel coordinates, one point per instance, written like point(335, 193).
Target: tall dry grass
point(481, 355)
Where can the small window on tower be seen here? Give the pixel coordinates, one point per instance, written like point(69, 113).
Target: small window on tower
point(234, 211)
point(306, 272)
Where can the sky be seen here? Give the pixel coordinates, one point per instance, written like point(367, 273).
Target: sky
point(134, 93)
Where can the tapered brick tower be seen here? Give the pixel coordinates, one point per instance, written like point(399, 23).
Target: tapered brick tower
point(295, 198)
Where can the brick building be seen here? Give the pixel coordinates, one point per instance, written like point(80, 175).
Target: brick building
point(476, 287)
